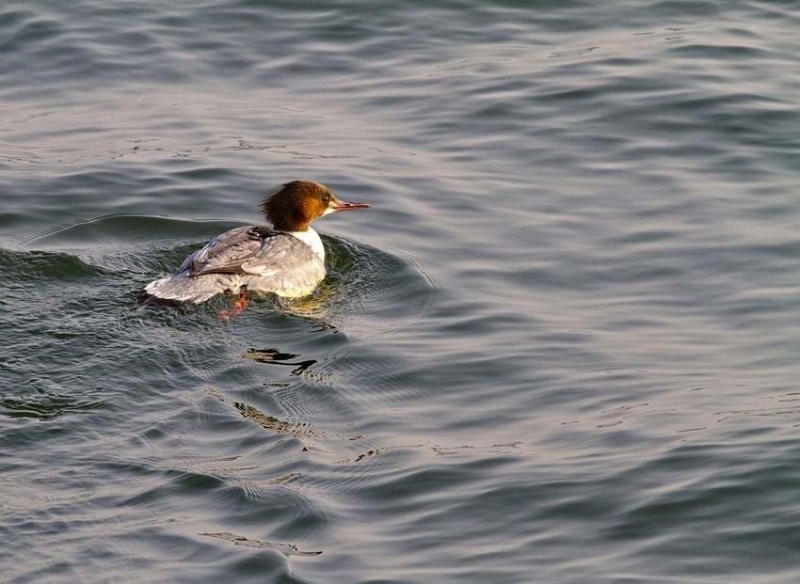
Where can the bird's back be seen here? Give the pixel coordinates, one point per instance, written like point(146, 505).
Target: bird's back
point(260, 259)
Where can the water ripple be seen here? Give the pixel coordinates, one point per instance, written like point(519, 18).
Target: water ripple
point(561, 346)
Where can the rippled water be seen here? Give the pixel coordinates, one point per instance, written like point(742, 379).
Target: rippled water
point(562, 347)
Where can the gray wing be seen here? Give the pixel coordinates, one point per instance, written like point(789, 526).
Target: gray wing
point(249, 251)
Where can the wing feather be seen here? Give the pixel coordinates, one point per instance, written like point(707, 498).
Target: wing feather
point(249, 251)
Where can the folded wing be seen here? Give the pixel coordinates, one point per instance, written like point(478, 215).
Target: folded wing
point(250, 251)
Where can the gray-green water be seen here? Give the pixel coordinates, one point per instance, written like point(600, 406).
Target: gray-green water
point(562, 347)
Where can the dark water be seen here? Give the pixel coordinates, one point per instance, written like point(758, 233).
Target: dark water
point(562, 347)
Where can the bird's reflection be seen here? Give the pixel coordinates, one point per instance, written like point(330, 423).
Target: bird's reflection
point(315, 308)
point(275, 357)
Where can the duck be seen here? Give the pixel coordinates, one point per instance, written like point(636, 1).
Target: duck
point(286, 259)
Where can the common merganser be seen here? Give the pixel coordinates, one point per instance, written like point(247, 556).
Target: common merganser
point(287, 259)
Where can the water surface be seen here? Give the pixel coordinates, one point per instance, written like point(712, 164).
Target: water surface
point(561, 347)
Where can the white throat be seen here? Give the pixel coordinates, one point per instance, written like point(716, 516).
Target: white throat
point(311, 239)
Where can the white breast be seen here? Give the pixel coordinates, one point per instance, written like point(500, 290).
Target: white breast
point(311, 239)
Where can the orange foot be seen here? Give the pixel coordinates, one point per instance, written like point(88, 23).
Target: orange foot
point(238, 307)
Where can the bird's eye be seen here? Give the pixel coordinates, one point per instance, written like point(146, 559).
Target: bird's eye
point(326, 198)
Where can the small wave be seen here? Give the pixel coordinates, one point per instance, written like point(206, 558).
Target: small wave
point(117, 229)
point(22, 267)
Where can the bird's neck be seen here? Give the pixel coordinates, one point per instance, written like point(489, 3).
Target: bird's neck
point(312, 239)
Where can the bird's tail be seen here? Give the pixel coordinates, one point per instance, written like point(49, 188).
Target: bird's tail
point(185, 288)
